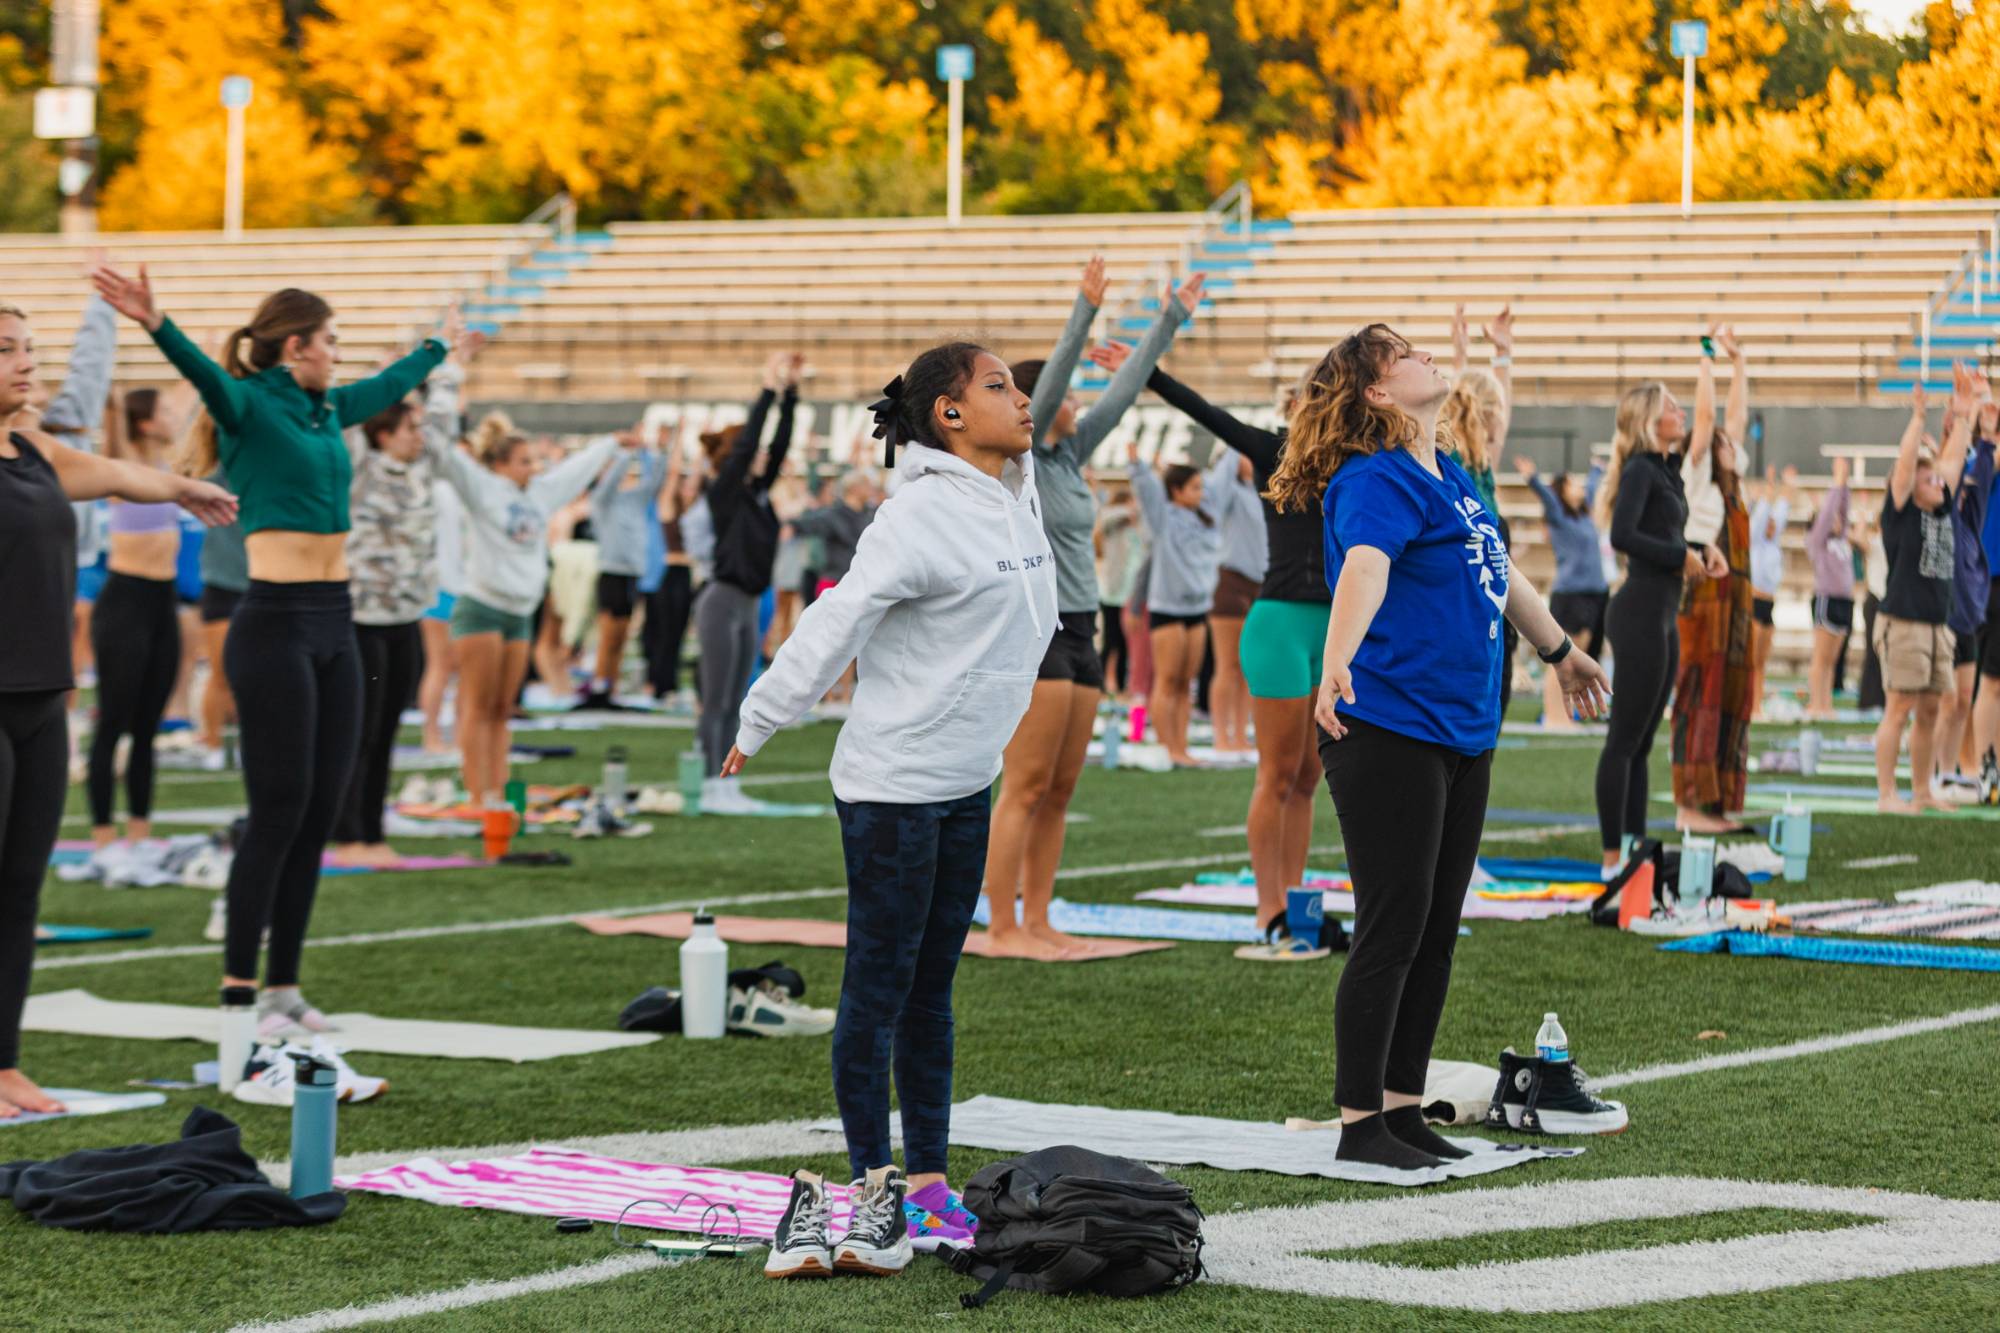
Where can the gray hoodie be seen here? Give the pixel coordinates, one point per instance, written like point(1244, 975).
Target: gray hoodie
point(620, 517)
point(1187, 549)
point(1246, 548)
point(1069, 511)
point(77, 409)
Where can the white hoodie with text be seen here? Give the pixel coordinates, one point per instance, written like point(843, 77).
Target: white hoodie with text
point(950, 605)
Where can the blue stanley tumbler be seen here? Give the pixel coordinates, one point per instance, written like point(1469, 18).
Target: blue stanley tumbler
point(313, 1099)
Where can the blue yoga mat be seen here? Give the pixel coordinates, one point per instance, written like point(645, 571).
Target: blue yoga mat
point(1744, 943)
point(1543, 870)
point(88, 934)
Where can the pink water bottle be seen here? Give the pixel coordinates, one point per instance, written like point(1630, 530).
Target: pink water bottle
point(1138, 723)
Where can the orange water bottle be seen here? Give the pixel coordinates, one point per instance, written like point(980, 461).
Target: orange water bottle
point(498, 827)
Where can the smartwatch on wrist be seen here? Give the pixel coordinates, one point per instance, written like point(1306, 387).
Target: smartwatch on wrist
point(1556, 655)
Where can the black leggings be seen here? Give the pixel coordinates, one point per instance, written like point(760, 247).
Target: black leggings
point(295, 670)
point(392, 661)
point(1113, 621)
point(667, 610)
point(34, 770)
point(136, 634)
point(1411, 814)
point(1646, 646)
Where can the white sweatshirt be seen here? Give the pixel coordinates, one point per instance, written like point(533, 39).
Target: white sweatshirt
point(950, 604)
point(506, 527)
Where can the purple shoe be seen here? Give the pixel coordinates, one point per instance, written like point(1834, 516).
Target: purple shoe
point(942, 1202)
point(928, 1230)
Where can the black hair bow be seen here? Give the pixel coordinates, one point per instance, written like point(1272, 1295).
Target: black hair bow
point(886, 426)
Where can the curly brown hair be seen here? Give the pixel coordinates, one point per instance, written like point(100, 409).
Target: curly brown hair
point(1333, 419)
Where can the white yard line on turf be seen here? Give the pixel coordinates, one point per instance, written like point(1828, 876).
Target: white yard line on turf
point(1811, 1046)
point(473, 1293)
point(47, 964)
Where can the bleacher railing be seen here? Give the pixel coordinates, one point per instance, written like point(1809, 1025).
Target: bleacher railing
point(1977, 273)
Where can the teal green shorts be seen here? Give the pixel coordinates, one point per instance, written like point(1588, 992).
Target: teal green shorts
point(472, 616)
point(1282, 643)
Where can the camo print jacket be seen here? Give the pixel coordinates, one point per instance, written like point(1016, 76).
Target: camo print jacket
point(392, 546)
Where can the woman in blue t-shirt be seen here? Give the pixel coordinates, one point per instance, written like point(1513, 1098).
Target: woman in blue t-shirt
point(1409, 707)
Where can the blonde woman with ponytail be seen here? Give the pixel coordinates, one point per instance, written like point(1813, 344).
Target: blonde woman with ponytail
point(1409, 710)
point(1643, 502)
point(274, 420)
point(506, 557)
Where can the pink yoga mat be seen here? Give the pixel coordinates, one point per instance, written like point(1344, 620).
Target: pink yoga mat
point(558, 1182)
point(819, 934)
point(1342, 904)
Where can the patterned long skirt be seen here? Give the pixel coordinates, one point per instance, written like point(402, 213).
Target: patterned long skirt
point(1712, 700)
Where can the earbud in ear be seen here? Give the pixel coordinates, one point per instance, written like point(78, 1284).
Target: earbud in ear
point(951, 414)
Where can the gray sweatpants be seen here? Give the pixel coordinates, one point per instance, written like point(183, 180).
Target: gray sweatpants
point(725, 624)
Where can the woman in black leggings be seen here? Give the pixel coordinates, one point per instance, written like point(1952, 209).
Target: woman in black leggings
point(1646, 508)
point(38, 480)
point(1409, 707)
point(135, 637)
point(274, 419)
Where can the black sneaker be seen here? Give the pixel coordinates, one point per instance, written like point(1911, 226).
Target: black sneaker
point(800, 1249)
point(1510, 1094)
point(1989, 779)
point(878, 1239)
point(1559, 1101)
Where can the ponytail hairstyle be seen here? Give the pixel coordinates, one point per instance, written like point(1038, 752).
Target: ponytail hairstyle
point(1474, 404)
point(1334, 421)
point(495, 439)
point(904, 414)
point(387, 422)
point(138, 408)
point(283, 315)
point(1639, 413)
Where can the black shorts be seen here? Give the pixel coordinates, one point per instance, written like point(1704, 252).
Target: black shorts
point(218, 604)
point(617, 593)
point(1161, 619)
point(1072, 654)
point(1964, 649)
point(1989, 637)
point(1835, 615)
point(1580, 613)
point(1761, 607)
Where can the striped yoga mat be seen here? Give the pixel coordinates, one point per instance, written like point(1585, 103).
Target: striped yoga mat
point(1923, 920)
point(560, 1182)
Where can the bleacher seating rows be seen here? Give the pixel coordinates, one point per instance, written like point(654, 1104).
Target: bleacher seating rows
point(1826, 296)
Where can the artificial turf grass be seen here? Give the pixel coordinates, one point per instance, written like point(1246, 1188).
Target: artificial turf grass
point(1561, 1242)
point(1189, 1030)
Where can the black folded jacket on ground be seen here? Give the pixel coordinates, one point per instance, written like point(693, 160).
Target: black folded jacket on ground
point(204, 1181)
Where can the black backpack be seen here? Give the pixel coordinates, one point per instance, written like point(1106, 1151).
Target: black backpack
point(1069, 1219)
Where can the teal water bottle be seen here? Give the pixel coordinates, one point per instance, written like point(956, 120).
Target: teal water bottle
point(1114, 725)
point(313, 1098)
point(693, 772)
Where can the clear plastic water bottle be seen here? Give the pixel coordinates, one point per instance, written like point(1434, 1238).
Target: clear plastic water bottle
point(1114, 724)
point(1552, 1043)
point(614, 778)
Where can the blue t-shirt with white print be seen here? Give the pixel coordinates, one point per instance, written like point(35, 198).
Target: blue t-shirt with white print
point(1430, 665)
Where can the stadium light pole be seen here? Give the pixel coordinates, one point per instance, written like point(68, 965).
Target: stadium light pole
point(954, 66)
point(67, 109)
point(1690, 41)
point(236, 91)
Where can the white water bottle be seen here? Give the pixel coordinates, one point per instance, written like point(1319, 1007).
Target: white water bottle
point(614, 779)
point(704, 980)
point(1552, 1043)
point(238, 1033)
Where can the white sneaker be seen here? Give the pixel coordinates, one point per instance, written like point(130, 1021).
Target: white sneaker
point(659, 801)
point(723, 796)
point(768, 1011)
point(349, 1086)
point(878, 1238)
point(416, 790)
point(1955, 790)
point(270, 1076)
point(217, 929)
point(214, 761)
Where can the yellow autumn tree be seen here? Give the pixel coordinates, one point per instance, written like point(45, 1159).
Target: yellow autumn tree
point(163, 64)
point(1945, 120)
point(1165, 136)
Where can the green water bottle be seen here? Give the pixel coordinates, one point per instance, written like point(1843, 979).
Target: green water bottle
point(693, 772)
point(517, 796)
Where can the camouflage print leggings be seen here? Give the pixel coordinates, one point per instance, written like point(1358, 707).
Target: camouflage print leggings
point(913, 876)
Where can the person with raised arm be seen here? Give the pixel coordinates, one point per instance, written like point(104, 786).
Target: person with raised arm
point(40, 480)
point(1953, 783)
point(1046, 757)
point(1768, 517)
point(273, 420)
point(1828, 543)
point(1712, 699)
point(1580, 595)
point(1912, 636)
point(1643, 503)
point(1409, 709)
point(1479, 414)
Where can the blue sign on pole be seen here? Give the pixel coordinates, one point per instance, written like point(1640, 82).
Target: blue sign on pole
point(1690, 38)
point(236, 91)
point(954, 62)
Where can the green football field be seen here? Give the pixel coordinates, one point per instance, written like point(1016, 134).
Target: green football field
point(1192, 1030)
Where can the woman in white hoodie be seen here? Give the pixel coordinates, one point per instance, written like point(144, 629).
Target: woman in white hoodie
point(950, 604)
point(506, 544)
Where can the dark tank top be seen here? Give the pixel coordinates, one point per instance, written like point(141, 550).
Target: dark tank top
point(37, 573)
